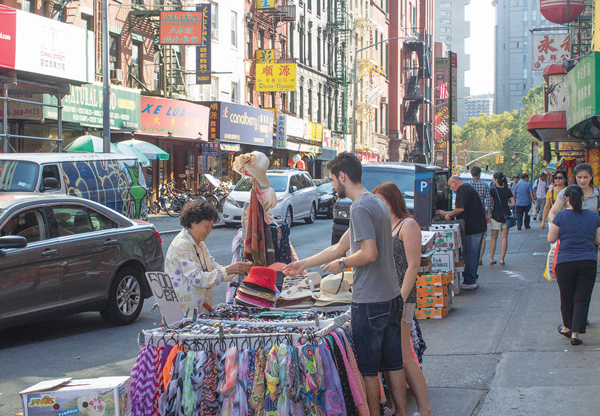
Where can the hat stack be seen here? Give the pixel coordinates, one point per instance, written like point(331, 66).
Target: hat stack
point(335, 290)
point(258, 288)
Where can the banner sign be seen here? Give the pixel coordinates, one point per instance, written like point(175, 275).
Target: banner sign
point(24, 111)
point(453, 80)
point(265, 56)
point(276, 77)
point(327, 138)
point(210, 149)
point(281, 136)
point(163, 117)
point(582, 90)
point(203, 50)
point(554, 48)
point(83, 105)
point(36, 44)
point(181, 28)
point(441, 127)
point(237, 123)
point(366, 157)
point(338, 143)
point(265, 4)
point(315, 132)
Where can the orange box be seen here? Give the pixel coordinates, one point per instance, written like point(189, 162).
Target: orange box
point(434, 279)
point(431, 313)
point(432, 291)
point(433, 302)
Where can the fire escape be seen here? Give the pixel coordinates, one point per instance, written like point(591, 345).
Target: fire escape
point(582, 34)
point(418, 103)
point(64, 10)
point(341, 24)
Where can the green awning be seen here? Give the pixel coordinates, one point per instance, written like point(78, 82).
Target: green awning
point(327, 154)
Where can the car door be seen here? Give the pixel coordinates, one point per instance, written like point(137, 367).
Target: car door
point(30, 277)
point(312, 195)
point(305, 197)
point(91, 251)
point(296, 197)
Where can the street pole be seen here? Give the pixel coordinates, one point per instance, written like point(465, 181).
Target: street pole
point(105, 81)
point(532, 147)
point(450, 128)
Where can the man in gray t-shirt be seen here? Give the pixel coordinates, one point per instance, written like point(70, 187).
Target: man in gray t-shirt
point(376, 300)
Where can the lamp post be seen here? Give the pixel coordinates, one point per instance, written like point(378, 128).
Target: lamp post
point(356, 51)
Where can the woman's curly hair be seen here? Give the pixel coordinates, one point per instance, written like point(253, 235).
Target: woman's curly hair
point(197, 211)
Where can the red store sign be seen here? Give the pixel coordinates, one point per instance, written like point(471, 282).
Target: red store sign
point(181, 119)
point(366, 157)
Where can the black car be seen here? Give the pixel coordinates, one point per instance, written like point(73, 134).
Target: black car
point(327, 199)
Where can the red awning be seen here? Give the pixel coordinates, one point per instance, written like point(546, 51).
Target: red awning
point(553, 69)
point(549, 127)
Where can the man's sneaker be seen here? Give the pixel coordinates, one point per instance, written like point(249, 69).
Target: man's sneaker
point(467, 286)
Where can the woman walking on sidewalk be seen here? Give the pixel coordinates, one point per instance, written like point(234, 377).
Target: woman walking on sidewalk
point(560, 182)
point(578, 230)
point(503, 200)
point(406, 236)
point(584, 176)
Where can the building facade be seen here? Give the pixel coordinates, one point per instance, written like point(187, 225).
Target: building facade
point(452, 29)
point(479, 104)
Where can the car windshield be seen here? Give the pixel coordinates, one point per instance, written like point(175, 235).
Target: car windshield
point(18, 176)
point(325, 188)
point(404, 179)
point(278, 183)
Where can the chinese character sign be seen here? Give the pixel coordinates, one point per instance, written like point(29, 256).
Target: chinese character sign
point(265, 56)
point(583, 97)
point(203, 51)
point(181, 28)
point(276, 77)
point(265, 4)
point(550, 49)
point(454, 81)
point(315, 132)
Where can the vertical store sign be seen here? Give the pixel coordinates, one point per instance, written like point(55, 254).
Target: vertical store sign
point(203, 51)
point(281, 137)
point(453, 80)
point(583, 94)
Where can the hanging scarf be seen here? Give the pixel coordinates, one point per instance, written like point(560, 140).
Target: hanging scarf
point(254, 245)
point(364, 408)
point(158, 379)
point(257, 399)
point(282, 361)
point(170, 400)
point(240, 405)
point(351, 409)
point(209, 400)
point(417, 339)
point(332, 395)
point(198, 378)
point(143, 382)
point(251, 365)
point(272, 378)
point(168, 365)
point(187, 394)
point(228, 383)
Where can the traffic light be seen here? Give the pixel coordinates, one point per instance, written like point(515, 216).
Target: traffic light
point(497, 158)
point(501, 159)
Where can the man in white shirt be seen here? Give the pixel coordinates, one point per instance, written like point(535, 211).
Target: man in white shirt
point(540, 189)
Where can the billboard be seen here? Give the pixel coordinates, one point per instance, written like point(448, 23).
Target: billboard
point(554, 48)
point(237, 123)
point(582, 90)
point(315, 133)
point(276, 77)
point(161, 116)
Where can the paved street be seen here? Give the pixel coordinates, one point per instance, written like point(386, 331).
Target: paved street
point(496, 354)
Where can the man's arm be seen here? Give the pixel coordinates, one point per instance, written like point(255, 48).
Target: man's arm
point(367, 254)
point(328, 255)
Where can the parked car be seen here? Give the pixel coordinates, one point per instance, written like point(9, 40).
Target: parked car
point(327, 199)
point(486, 177)
point(62, 254)
point(297, 197)
point(403, 175)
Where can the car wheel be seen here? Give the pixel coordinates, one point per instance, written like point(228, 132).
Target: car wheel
point(313, 215)
point(125, 300)
point(289, 217)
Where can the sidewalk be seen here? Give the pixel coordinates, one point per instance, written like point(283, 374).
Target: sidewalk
point(167, 225)
point(497, 353)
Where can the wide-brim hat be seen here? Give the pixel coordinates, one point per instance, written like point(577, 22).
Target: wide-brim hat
point(256, 293)
point(295, 292)
point(334, 289)
point(262, 277)
point(248, 300)
point(257, 166)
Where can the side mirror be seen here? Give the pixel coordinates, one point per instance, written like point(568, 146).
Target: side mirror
point(49, 183)
point(294, 189)
point(12, 241)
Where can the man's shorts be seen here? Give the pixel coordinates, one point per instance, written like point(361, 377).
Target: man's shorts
point(376, 333)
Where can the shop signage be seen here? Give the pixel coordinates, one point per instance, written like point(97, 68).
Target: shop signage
point(265, 4)
point(228, 147)
point(210, 149)
point(36, 44)
point(441, 64)
point(203, 50)
point(24, 111)
point(276, 77)
point(281, 132)
point(182, 27)
point(265, 56)
point(367, 157)
point(338, 143)
point(236, 123)
point(441, 127)
point(553, 48)
point(83, 105)
point(535, 152)
point(301, 147)
point(327, 138)
point(288, 126)
point(583, 94)
point(164, 293)
point(454, 85)
point(315, 132)
point(163, 117)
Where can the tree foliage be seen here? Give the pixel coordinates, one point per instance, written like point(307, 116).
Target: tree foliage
point(505, 133)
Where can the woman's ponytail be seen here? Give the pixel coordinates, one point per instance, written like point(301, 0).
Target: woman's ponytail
point(575, 195)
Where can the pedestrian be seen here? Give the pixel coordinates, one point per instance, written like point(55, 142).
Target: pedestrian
point(376, 296)
point(559, 182)
point(406, 235)
point(512, 189)
point(468, 207)
point(484, 194)
point(540, 189)
point(503, 201)
point(523, 192)
point(585, 179)
point(578, 230)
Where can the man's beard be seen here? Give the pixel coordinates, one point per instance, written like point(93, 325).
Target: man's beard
point(341, 190)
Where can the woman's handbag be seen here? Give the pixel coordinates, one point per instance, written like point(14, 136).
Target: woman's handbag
point(510, 220)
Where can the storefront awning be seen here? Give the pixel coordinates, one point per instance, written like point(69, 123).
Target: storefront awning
point(228, 147)
point(328, 154)
point(549, 127)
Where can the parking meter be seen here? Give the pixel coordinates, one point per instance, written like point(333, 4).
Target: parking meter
point(430, 184)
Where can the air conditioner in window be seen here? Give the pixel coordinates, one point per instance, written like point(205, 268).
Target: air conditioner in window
point(180, 88)
point(117, 75)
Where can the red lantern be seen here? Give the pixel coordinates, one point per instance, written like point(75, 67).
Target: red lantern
point(556, 10)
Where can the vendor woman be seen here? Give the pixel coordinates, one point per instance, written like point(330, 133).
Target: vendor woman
point(190, 266)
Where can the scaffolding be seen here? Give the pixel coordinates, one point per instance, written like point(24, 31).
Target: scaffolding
point(581, 31)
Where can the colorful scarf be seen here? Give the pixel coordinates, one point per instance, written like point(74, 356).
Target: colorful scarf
point(283, 403)
point(198, 378)
point(170, 400)
point(209, 400)
point(333, 397)
point(272, 377)
point(257, 398)
point(251, 365)
point(143, 382)
point(240, 405)
point(188, 401)
point(158, 379)
point(228, 384)
point(254, 245)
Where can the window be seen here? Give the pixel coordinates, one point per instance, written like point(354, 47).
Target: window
point(291, 32)
point(447, 13)
point(533, 16)
point(301, 97)
point(214, 20)
point(318, 107)
point(310, 113)
point(445, 5)
point(29, 224)
point(293, 102)
point(29, 6)
point(294, 183)
point(51, 171)
point(525, 73)
point(261, 99)
point(249, 91)
point(249, 49)
point(273, 100)
point(446, 21)
point(283, 43)
point(376, 39)
point(449, 38)
point(525, 15)
point(318, 53)
point(303, 182)
point(76, 219)
point(137, 60)
point(301, 41)
point(272, 36)
point(309, 4)
point(214, 89)
point(318, 7)
point(310, 49)
point(234, 93)
point(445, 30)
point(113, 52)
point(261, 39)
point(283, 101)
point(525, 58)
point(87, 22)
point(234, 29)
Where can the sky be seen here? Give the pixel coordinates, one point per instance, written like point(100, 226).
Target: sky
point(480, 46)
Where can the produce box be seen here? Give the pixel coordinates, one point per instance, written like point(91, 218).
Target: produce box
point(443, 261)
point(445, 237)
point(431, 313)
point(433, 302)
point(431, 291)
point(104, 396)
point(434, 279)
point(427, 240)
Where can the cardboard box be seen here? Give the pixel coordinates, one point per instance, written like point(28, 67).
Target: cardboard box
point(446, 227)
point(431, 291)
point(433, 302)
point(431, 313)
point(434, 279)
point(89, 397)
point(427, 240)
point(443, 261)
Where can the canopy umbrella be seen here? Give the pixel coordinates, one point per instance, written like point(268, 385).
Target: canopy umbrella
point(90, 144)
point(151, 151)
point(132, 151)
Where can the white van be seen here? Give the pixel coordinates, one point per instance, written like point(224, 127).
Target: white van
point(115, 181)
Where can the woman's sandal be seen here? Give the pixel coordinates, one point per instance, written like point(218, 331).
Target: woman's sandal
point(502, 263)
point(492, 261)
point(564, 334)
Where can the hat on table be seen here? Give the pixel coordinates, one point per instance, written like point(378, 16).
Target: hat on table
point(334, 289)
point(263, 278)
point(249, 300)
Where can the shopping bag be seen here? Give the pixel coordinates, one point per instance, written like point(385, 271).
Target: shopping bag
point(549, 271)
point(555, 257)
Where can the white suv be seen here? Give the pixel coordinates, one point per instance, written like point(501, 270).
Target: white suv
point(297, 197)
